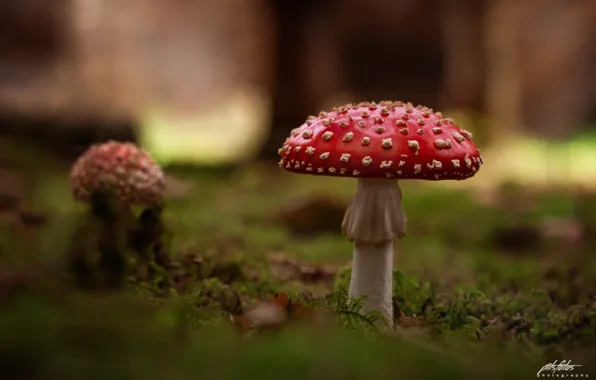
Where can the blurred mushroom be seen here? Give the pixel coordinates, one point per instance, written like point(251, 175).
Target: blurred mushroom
point(112, 177)
point(379, 144)
point(121, 169)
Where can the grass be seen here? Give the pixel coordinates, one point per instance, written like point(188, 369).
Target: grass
point(482, 288)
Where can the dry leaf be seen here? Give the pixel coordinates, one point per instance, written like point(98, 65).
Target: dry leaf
point(286, 268)
point(272, 314)
point(407, 322)
point(312, 215)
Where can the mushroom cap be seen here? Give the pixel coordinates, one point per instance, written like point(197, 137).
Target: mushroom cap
point(386, 140)
point(123, 169)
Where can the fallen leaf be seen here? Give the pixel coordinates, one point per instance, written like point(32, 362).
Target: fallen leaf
point(313, 215)
point(280, 299)
point(286, 268)
point(264, 315)
point(408, 322)
point(272, 314)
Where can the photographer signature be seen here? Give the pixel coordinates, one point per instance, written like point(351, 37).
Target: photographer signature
point(560, 369)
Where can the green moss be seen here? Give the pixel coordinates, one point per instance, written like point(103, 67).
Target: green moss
point(469, 308)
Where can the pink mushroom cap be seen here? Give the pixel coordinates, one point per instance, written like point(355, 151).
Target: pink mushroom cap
point(123, 169)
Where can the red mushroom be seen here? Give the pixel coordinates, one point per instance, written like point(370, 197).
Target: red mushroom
point(122, 169)
point(379, 144)
point(128, 176)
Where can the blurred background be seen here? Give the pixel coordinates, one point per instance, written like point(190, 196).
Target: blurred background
point(211, 88)
point(221, 80)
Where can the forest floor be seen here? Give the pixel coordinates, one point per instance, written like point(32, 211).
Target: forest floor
point(492, 284)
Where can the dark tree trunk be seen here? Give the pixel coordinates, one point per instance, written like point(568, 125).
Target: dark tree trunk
point(33, 29)
point(291, 96)
point(464, 56)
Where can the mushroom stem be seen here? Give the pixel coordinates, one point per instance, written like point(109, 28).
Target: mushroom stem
point(374, 218)
point(372, 268)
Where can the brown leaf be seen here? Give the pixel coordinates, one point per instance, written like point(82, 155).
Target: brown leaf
point(280, 299)
point(407, 322)
point(267, 315)
point(287, 268)
point(313, 216)
point(272, 314)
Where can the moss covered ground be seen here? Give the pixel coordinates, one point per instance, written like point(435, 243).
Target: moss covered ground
point(492, 285)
